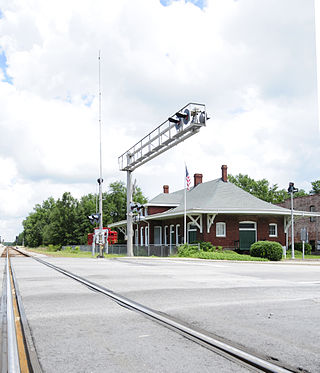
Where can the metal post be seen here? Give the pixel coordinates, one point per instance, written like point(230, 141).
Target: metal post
point(100, 180)
point(129, 214)
point(302, 249)
point(185, 214)
point(292, 228)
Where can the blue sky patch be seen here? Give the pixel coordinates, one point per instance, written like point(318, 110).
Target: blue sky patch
point(88, 99)
point(199, 3)
point(3, 67)
point(1, 14)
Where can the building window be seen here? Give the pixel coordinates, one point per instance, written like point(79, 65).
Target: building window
point(312, 209)
point(166, 235)
point(172, 235)
point(247, 225)
point(146, 235)
point(157, 235)
point(192, 233)
point(273, 230)
point(221, 229)
point(141, 236)
point(177, 234)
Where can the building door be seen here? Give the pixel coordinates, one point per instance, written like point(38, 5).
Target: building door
point(247, 234)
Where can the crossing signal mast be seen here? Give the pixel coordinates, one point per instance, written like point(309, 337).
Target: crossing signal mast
point(184, 123)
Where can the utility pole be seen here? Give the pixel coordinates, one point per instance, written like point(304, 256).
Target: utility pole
point(292, 190)
point(292, 227)
point(100, 180)
point(129, 214)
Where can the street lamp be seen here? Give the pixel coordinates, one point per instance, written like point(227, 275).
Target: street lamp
point(292, 190)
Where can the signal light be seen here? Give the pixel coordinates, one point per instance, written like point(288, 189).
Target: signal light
point(135, 206)
point(182, 115)
point(292, 189)
point(94, 218)
point(172, 120)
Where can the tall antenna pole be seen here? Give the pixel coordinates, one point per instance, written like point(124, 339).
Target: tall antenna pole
point(100, 180)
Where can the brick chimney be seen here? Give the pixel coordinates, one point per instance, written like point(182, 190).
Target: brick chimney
point(166, 189)
point(224, 169)
point(197, 179)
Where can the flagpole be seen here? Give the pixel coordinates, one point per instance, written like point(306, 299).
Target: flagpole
point(185, 209)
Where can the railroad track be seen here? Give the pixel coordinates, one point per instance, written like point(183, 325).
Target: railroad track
point(215, 344)
point(16, 344)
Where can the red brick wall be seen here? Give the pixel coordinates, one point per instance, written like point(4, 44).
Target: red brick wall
point(303, 204)
point(232, 229)
point(157, 209)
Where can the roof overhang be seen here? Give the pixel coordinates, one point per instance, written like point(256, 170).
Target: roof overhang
point(286, 212)
point(161, 204)
point(166, 215)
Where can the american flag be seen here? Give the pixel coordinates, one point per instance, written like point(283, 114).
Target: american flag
point(188, 180)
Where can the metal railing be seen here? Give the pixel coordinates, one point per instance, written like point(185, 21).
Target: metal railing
point(138, 250)
point(149, 250)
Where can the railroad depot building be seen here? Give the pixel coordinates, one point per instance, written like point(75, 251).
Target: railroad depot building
point(217, 211)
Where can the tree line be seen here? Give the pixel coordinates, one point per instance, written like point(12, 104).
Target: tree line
point(270, 193)
point(65, 221)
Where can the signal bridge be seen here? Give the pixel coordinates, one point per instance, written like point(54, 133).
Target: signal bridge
point(177, 128)
point(183, 124)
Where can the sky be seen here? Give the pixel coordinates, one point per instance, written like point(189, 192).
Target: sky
point(252, 63)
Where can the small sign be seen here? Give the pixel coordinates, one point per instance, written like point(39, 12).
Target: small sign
point(304, 234)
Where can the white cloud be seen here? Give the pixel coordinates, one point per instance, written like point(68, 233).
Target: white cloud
point(252, 63)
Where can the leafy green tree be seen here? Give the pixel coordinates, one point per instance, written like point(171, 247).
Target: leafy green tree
point(36, 221)
point(86, 207)
point(65, 221)
point(262, 188)
point(315, 187)
point(115, 207)
point(62, 229)
point(20, 239)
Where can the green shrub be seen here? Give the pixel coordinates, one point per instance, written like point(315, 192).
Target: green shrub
point(54, 248)
point(297, 253)
point(298, 246)
point(187, 250)
point(70, 249)
point(206, 246)
point(226, 255)
point(266, 249)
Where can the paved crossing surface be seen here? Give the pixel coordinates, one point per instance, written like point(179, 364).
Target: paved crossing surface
point(270, 309)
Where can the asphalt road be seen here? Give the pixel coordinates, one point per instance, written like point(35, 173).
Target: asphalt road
point(270, 309)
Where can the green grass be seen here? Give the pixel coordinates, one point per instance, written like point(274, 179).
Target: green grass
point(68, 254)
point(298, 255)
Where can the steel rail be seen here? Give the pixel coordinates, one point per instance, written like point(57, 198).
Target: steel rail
point(195, 335)
point(12, 351)
point(26, 352)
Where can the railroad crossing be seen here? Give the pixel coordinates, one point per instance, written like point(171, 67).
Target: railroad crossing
point(155, 314)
